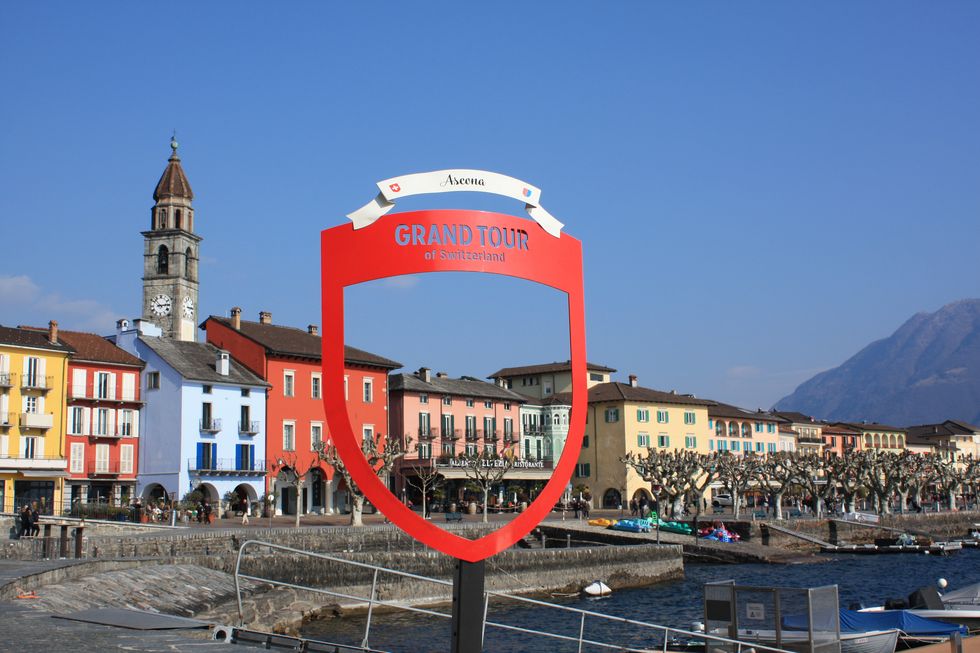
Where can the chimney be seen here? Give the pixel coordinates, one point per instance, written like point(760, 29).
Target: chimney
point(442, 375)
point(313, 329)
point(122, 325)
point(236, 318)
point(633, 380)
point(222, 363)
point(673, 392)
point(52, 332)
point(265, 317)
point(425, 374)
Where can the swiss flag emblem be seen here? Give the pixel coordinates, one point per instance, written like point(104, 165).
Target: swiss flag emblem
point(394, 188)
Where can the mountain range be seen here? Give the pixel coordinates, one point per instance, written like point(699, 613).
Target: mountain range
point(926, 372)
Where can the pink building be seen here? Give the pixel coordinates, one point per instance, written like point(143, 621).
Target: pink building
point(442, 418)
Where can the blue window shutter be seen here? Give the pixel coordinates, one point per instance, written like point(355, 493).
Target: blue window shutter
point(251, 456)
point(200, 454)
point(238, 457)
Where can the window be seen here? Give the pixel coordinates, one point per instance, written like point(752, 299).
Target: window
point(126, 423)
point(771, 447)
point(206, 422)
point(506, 405)
point(448, 449)
point(662, 417)
point(663, 440)
point(246, 392)
point(206, 389)
point(470, 426)
point(612, 415)
point(102, 385)
point(245, 457)
point(583, 470)
point(690, 442)
point(508, 427)
point(315, 379)
point(595, 376)
point(643, 440)
point(101, 459)
point(188, 255)
point(423, 398)
point(735, 445)
point(770, 428)
point(245, 420)
point(585, 442)
point(469, 402)
point(102, 421)
point(288, 383)
point(30, 447)
point(489, 427)
point(207, 455)
point(425, 425)
point(642, 415)
point(163, 260)
point(126, 459)
point(488, 404)
point(711, 445)
point(128, 387)
point(368, 432)
point(77, 421)
point(77, 458)
point(32, 404)
point(447, 401)
point(471, 449)
point(690, 417)
point(758, 427)
point(153, 381)
point(368, 390)
point(316, 436)
point(162, 219)
point(425, 450)
point(289, 436)
point(448, 426)
point(758, 447)
point(722, 445)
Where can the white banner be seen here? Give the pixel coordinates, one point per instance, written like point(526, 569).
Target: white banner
point(449, 181)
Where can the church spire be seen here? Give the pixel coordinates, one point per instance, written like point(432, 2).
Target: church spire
point(173, 182)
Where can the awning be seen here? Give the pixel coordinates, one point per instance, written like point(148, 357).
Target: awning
point(43, 473)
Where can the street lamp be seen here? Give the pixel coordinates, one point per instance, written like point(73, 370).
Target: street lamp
point(270, 500)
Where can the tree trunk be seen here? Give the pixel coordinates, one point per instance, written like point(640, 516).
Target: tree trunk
point(903, 501)
point(357, 509)
point(425, 510)
point(298, 501)
point(736, 504)
point(952, 499)
point(677, 509)
point(778, 499)
point(486, 497)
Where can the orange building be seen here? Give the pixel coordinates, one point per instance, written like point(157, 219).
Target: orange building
point(289, 359)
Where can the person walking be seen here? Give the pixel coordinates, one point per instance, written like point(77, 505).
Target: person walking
point(207, 513)
point(26, 526)
point(245, 514)
point(35, 520)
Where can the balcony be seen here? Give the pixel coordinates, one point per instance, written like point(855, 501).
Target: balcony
point(226, 467)
point(36, 382)
point(104, 469)
point(53, 463)
point(809, 439)
point(450, 434)
point(6, 420)
point(510, 437)
point(472, 436)
point(533, 431)
point(492, 436)
point(7, 380)
point(425, 434)
point(246, 428)
point(42, 421)
point(211, 425)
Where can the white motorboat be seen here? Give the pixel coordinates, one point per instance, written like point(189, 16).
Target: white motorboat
point(960, 606)
point(871, 641)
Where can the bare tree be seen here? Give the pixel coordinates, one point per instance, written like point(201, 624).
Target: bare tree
point(953, 475)
point(880, 479)
point(736, 473)
point(776, 473)
point(426, 477)
point(673, 475)
point(381, 453)
point(484, 469)
point(291, 470)
point(848, 473)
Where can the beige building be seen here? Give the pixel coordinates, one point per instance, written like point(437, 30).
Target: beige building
point(951, 439)
point(809, 431)
point(879, 436)
point(626, 418)
point(548, 379)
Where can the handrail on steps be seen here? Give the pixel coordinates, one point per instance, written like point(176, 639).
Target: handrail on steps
point(372, 601)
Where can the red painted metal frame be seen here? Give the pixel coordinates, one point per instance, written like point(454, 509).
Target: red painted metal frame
point(350, 256)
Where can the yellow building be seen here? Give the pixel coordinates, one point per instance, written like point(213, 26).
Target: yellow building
point(624, 419)
point(809, 432)
point(33, 368)
point(547, 379)
point(879, 436)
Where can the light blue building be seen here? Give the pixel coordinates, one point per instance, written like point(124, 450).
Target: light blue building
point(203, 419)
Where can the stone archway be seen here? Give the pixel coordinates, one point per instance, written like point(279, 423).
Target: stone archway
point(153, 492)
point(247, 496)
point(209, 493)
point(611, 498)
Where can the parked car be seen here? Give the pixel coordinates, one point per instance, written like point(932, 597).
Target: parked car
point(722, 501)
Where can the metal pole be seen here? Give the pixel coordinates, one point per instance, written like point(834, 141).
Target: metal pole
point(468, 606)
point(367, 627)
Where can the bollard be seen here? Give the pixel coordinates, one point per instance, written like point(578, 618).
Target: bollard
point(544, 539)
point(568, 540)
point(46, 542)
point(64, 541)
point(78, 541)
point(956, 643)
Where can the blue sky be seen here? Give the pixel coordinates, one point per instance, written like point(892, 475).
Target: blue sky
point(761, 188)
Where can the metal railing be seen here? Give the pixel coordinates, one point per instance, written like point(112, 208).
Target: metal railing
point(36, 382)
point(229, 465)
point(37, 420)
point(107, 468)
point(6, 420)
point(212, 425)
point(667, 633)
point(248, 428)
point(7, 379)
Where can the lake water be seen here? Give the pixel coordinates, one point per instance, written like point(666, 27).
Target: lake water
point(860, 578)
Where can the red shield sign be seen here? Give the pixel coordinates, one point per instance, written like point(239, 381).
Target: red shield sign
point(442, 241)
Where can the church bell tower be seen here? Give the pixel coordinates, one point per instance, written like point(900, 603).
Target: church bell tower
point(170, 255)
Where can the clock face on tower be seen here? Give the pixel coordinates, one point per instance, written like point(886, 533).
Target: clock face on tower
point(161, 305)
point(187, 307)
